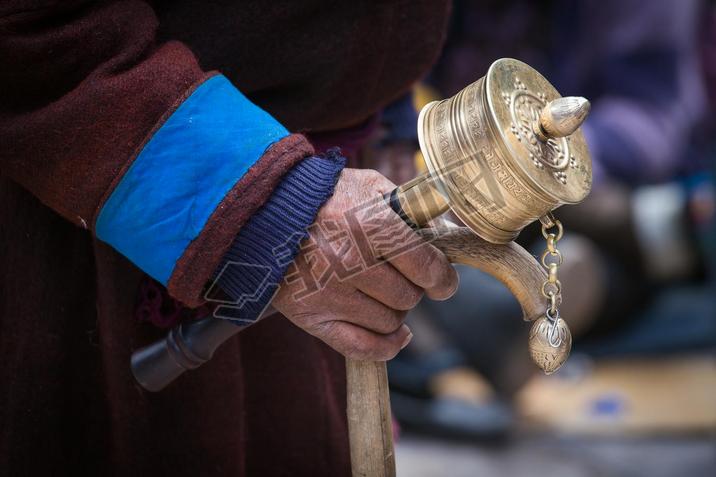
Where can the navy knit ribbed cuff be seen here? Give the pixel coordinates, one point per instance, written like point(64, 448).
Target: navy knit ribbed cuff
point(254, 266)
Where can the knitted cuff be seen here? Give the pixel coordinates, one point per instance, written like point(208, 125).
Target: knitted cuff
point(254, 266)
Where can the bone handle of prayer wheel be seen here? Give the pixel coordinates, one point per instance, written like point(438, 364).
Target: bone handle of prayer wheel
point(509, 263)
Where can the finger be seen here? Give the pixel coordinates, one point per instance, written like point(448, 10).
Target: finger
point(388, 286)
point(419, 262)
point(361, 344)
point(429, 268)
point(358, 308)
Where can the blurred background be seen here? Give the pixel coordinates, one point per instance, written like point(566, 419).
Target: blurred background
point(638, 394)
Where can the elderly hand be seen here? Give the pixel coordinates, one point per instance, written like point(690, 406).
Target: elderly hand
point(360, 271)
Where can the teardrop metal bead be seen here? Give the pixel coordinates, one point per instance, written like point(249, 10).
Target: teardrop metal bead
point(550, 343)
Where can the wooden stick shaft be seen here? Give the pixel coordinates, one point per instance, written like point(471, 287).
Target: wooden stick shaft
point(370, 424)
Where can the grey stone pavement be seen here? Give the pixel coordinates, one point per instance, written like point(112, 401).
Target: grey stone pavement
point(536, 456)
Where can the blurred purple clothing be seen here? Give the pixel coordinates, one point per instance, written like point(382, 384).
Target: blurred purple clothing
point(636, 61)
point(348, 140)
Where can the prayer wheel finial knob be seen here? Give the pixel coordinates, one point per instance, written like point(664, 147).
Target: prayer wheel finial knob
point(561, 117)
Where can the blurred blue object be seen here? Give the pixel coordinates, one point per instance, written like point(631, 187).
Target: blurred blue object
point(611, 405)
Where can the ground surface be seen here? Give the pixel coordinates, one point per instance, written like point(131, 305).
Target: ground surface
point(537, 456)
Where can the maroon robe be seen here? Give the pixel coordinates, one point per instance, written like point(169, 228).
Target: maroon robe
point(82, 85)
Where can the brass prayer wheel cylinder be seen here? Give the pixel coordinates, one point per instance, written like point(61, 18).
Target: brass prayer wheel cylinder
point(502, 152)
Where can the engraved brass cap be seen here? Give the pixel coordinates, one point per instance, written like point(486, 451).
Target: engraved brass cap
point(506, 150)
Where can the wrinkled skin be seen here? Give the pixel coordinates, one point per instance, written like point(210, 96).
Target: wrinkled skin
point(361, 314)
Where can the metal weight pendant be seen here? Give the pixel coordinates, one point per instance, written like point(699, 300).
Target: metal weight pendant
point(550, 342)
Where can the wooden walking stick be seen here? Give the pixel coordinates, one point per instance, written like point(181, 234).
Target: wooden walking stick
point(502, 153)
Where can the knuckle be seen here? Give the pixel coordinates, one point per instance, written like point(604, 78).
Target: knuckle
point(380, 181)
point(373, 174)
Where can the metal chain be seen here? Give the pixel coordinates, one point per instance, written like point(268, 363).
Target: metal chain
point(551, 260)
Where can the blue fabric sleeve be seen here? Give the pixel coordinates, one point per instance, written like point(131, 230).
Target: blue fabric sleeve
point(182, 174)
point(257, 261)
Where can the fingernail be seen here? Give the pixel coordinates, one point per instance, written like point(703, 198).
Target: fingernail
point(407, 340)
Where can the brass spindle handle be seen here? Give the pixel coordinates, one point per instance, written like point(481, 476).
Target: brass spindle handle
point(418, 201)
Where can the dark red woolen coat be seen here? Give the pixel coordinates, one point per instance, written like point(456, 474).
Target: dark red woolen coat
point(82, 84)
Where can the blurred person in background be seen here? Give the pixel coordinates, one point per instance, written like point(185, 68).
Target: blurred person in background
point(633, 269)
